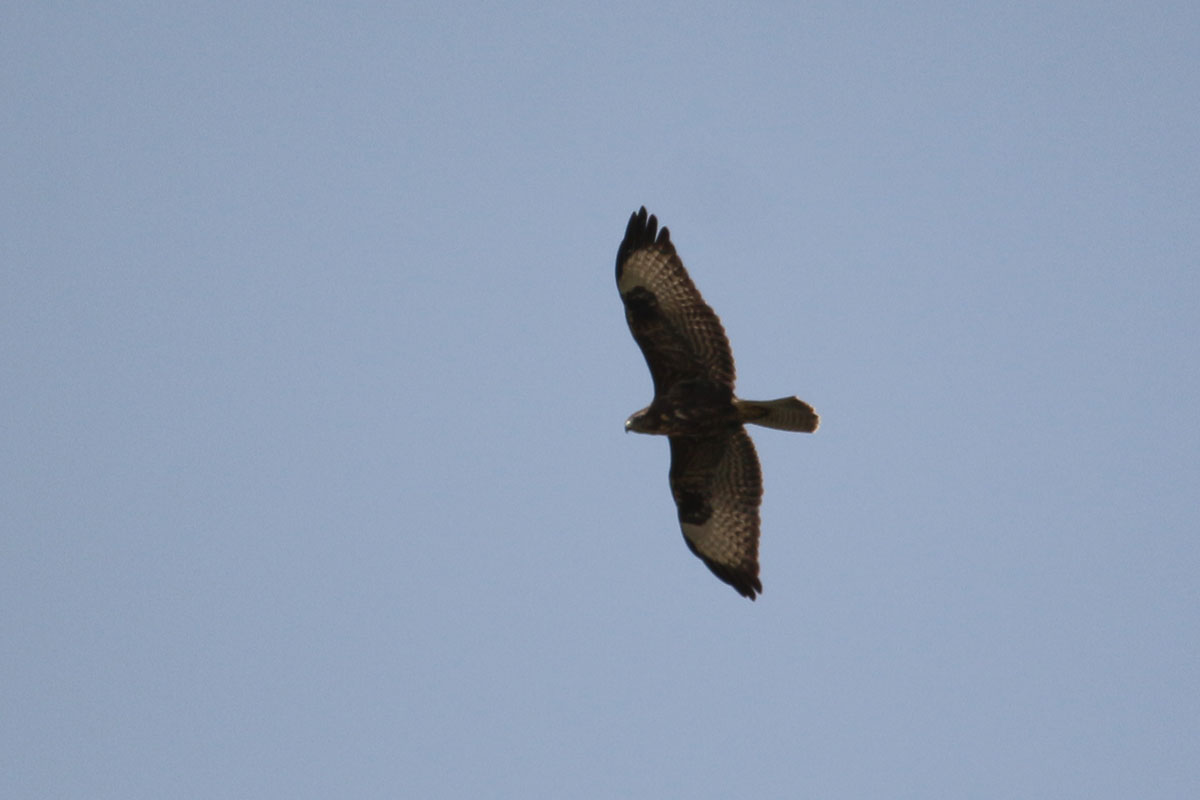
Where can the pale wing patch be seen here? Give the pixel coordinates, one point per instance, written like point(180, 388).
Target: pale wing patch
point(648, 268)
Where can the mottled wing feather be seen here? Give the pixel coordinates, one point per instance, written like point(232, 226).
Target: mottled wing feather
point(680, 336)
point(717, 485)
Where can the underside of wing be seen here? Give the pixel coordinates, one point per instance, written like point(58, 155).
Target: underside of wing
point(680, 336)
point(717, 485)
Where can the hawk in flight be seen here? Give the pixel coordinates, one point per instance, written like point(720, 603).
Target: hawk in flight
point(715, 477)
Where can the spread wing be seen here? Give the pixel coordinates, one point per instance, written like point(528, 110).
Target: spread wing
point(717, 486)
point(680, 336)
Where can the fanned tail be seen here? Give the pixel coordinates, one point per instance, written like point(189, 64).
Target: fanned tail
point(785, 414)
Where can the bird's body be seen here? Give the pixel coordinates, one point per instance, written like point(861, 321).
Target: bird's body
point(715, 476)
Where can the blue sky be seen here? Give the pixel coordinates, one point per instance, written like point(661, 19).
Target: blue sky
point(314, 372)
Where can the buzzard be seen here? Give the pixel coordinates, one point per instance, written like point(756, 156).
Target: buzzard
point(715, 477)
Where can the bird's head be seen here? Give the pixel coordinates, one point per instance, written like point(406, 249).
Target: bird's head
point(639, 422)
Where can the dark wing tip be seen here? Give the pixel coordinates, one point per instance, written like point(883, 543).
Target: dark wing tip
point(642, 231)
point(744, 581)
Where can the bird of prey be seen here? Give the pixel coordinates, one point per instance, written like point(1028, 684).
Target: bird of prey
point(715, 478)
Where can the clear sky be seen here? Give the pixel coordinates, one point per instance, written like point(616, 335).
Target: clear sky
point(313, 374)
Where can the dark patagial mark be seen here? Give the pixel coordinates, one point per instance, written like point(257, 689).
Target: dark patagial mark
point(694, 507)
point(642, 304)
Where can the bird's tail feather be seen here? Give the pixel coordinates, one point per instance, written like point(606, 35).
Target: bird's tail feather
point(785, 414)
